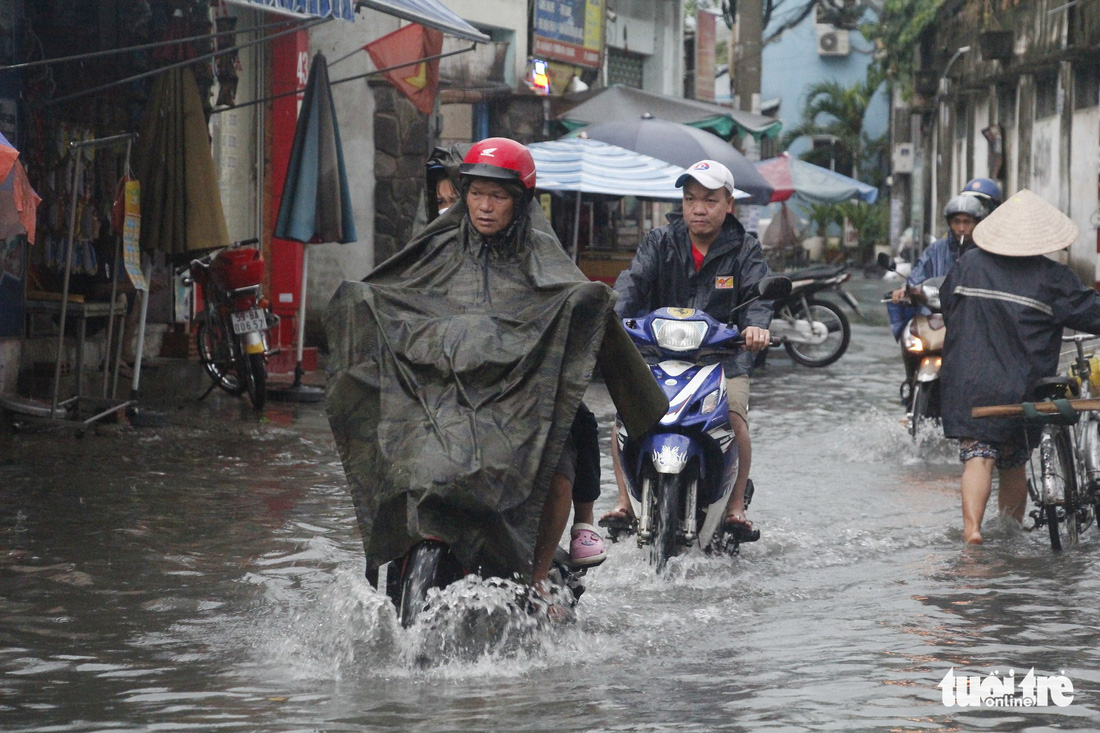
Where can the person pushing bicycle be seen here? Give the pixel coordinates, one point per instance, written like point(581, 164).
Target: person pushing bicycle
point(1005, 305)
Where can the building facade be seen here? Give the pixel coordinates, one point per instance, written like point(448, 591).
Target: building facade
point(1008, 90)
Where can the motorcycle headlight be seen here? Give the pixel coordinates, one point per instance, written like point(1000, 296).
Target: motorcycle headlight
point(679, 335)
point(912, 342)
point(710, 402)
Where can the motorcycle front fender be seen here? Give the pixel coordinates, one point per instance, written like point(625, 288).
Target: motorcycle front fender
point(929, 370)
point(252, 342)
point(669, 452)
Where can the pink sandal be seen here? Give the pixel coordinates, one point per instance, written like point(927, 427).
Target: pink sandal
point(586, 546)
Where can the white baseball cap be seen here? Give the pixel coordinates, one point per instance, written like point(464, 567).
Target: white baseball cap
point(710, 174)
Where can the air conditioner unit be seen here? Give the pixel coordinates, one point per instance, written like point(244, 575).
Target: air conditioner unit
point(832, 41)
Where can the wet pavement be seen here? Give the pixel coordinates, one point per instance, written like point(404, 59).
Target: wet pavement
point(207, 575)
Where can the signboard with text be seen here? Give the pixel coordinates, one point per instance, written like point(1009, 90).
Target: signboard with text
point(569, 31)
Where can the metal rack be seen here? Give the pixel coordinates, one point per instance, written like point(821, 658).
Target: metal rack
point(69, 409)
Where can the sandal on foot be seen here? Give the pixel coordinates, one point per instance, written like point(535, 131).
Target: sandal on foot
point(586, 546)
point(741, 528)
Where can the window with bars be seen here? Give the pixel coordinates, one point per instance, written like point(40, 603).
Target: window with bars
point(624, 67)
point(1086, 86)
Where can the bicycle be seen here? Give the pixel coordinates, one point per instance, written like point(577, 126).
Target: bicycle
point(1067, 495)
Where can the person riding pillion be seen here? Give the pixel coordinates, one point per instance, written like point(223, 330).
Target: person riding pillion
point(704, 259)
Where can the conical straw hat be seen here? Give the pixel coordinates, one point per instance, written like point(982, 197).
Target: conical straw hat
point(1025, 225)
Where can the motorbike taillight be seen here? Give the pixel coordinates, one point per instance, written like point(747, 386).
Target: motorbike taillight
point(244, 302)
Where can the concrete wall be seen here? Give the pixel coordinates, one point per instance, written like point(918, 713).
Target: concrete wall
point(655, 29)
point(331, 264)
point(504, 20)
point(1050, 147)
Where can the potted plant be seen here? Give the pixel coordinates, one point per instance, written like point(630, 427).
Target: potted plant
point(821, 216)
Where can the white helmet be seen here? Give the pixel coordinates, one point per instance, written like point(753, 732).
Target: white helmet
point(964, 204)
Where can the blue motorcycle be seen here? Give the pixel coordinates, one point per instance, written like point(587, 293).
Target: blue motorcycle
point(674, 471)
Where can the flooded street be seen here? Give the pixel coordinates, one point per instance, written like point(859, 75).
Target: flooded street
point(208, 575)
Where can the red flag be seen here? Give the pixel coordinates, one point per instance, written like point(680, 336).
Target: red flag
point(419, 80)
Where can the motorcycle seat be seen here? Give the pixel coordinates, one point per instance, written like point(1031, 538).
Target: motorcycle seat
point(1053, 388)
point(817, 272)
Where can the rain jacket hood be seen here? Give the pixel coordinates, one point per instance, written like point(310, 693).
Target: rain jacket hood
point(456, 370)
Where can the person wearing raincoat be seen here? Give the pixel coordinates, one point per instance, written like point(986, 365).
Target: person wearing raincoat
point(457, 370)
point(1005, 305)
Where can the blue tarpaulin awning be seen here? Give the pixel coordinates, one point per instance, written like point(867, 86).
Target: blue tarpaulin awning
point(429, 13)
point(342, 9)
point(591, 166)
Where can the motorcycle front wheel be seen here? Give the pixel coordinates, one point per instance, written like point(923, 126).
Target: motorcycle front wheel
point(919, 411)
point(255, 379)
point(428, 565)
point(666, 519)
point(215, 346)
point(839, 333)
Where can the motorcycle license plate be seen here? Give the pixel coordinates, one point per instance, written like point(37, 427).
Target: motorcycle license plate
point(249, 321)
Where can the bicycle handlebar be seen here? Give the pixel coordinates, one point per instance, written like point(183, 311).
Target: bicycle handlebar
point(1080, 337)
point(1043, 407)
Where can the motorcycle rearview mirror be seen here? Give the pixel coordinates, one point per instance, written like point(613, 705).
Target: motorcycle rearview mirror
point(770, 288)
point(886, 262)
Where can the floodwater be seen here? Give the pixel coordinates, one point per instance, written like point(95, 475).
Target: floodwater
point(207, 575)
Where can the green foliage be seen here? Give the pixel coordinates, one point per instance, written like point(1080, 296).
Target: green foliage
point(871, 222)
point(835, 110)
point(821, 216)
point(897, 35)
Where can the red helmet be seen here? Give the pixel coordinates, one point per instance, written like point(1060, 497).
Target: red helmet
point(501, 158)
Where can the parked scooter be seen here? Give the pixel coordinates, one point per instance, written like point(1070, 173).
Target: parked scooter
point(674, 471)
point(814, 331)
point(922, 344)
point(235, 319)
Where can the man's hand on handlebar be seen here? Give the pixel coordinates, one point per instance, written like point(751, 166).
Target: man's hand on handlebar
point(909, 295)
point(756, 338)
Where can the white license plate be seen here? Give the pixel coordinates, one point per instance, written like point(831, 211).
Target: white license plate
point(249, 321)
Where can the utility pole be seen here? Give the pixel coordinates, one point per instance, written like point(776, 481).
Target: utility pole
point(746, 51)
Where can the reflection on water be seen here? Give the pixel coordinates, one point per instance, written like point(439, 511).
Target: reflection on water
point(199, 577)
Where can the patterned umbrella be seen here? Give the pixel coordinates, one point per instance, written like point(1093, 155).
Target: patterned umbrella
point(812, 183)
point(681, 145)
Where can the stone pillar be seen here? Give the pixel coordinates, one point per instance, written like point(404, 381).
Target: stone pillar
point(401, 146)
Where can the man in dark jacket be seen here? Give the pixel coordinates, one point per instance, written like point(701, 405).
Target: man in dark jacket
point(1005, 306)
point(703, 259)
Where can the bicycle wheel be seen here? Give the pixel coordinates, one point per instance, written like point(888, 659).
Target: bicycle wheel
point(1060, 498)
point(215, 346)
point(822, 314)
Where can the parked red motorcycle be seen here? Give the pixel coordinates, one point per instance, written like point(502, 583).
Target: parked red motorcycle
point(232, 334)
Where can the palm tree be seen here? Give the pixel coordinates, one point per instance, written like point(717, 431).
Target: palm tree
point(842, 110)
